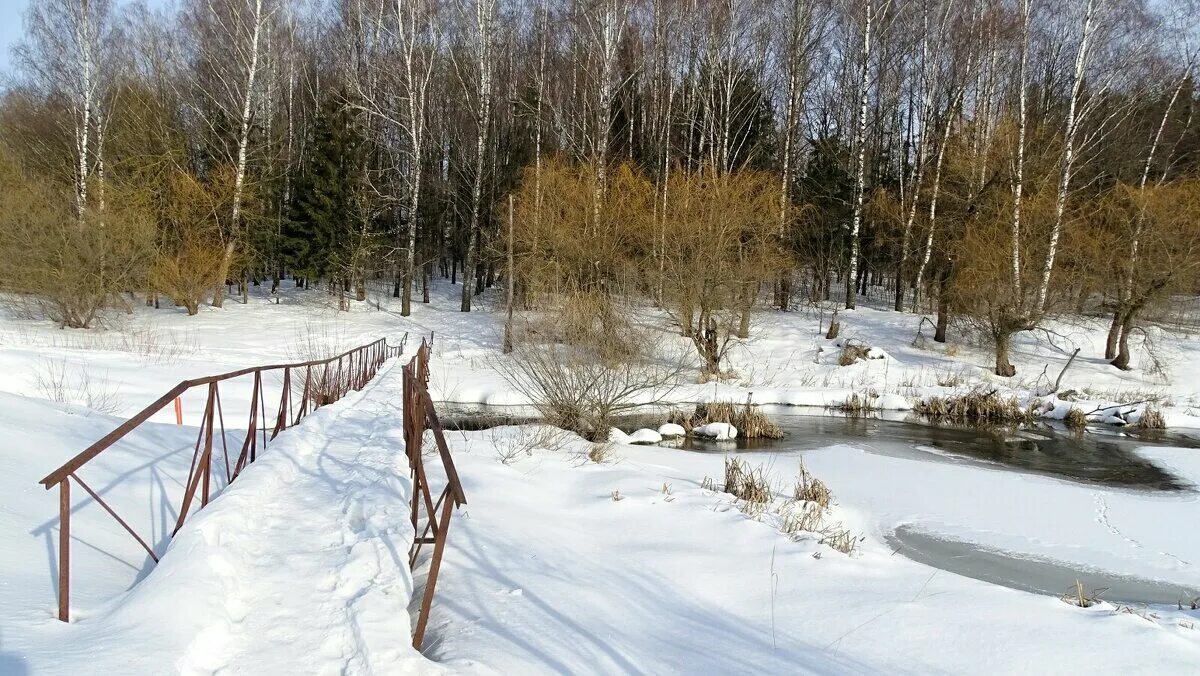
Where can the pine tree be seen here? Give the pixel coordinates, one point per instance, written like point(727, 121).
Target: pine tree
point(326, 213)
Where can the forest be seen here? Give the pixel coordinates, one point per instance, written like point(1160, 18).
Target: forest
point(992, 163)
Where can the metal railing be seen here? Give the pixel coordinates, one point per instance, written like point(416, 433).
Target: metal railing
point(420, 416)
point(325, 381)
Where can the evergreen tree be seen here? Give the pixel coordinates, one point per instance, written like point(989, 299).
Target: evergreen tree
point(326, 214)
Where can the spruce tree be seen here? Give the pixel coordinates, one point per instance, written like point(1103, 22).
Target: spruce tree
point(326, 209)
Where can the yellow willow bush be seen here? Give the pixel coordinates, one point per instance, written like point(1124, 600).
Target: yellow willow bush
point(719, 243)
point(567, 243)
point(191, 256)
point(702, 244)
point(71, 268)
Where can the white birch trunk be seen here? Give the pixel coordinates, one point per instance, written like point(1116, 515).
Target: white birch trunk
point(860, 139)
point(1068, 156)
point(239, 179)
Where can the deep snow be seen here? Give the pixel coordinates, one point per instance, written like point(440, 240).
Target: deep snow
point(299, 566)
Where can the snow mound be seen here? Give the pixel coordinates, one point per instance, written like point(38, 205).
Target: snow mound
point(670, 430)
point(716, 430)
point(642, 436)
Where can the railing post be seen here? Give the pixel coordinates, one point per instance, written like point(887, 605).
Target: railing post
point(64, 550)
point(208, 443)
point(439, 547)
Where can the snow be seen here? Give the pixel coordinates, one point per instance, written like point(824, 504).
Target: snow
point(670, 430)
point(644, 436)
point(716, 430)
point(307, 548)
point(559, 564)
point(680, 579)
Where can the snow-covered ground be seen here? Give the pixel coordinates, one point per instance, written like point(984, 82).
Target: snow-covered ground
point(548, 573)
point(300, 566)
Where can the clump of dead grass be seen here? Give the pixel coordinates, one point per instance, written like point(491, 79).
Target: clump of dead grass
point(855, 405)
point(512, 447)
point(747, 483)
point(811, 489)
point(1078, 597)
point(802, 517)
point(853, 352)
point(1152, 419)
point(977, 407)
point(1075, 419)
point(841, 539)
point(600, 452)
point(748, 418)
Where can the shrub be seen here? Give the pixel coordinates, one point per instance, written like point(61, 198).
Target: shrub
point(582, 387)
point(72, 267)
point(190, 272)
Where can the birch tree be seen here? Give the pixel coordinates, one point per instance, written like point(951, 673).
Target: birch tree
point(478, 88)
point(228, 53)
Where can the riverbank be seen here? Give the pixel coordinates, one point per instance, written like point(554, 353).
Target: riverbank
point(562, 564)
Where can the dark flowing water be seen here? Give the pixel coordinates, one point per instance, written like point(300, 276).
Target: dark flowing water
point(1102, 455)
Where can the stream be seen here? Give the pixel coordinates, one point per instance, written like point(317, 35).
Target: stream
point(1103, 456)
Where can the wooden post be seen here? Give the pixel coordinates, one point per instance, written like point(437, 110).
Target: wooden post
point(64, 550)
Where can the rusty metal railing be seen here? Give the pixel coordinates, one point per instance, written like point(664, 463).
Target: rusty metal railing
point(419, 416)
point(325, 381)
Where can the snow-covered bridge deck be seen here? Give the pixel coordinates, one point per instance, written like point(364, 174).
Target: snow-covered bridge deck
point(300, 566)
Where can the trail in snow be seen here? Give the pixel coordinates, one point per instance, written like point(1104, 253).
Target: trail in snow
point(300, 566)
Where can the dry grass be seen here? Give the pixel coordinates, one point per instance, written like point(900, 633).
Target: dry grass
point(953, 378)
point(811, 489)
point(749, 419)
point(746, 483)
point(513, 447)
point(841, 539)
point(1075, 419)
point(802, 517)
point(1152, 419)
point(1078, 597)
point(853, 352)
point(977, 407)
point(855, 405)
point(54, 381)
point(1142, 612)
point(600, 452)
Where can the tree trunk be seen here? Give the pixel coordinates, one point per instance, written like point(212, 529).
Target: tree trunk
point(1122, 359)
point(1114, 333)
point(943, 306)
point(861, 158)
point(510, 273)
point(1004, 367)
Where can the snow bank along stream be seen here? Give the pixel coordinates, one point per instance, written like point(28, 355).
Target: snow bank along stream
point(1100, 469)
